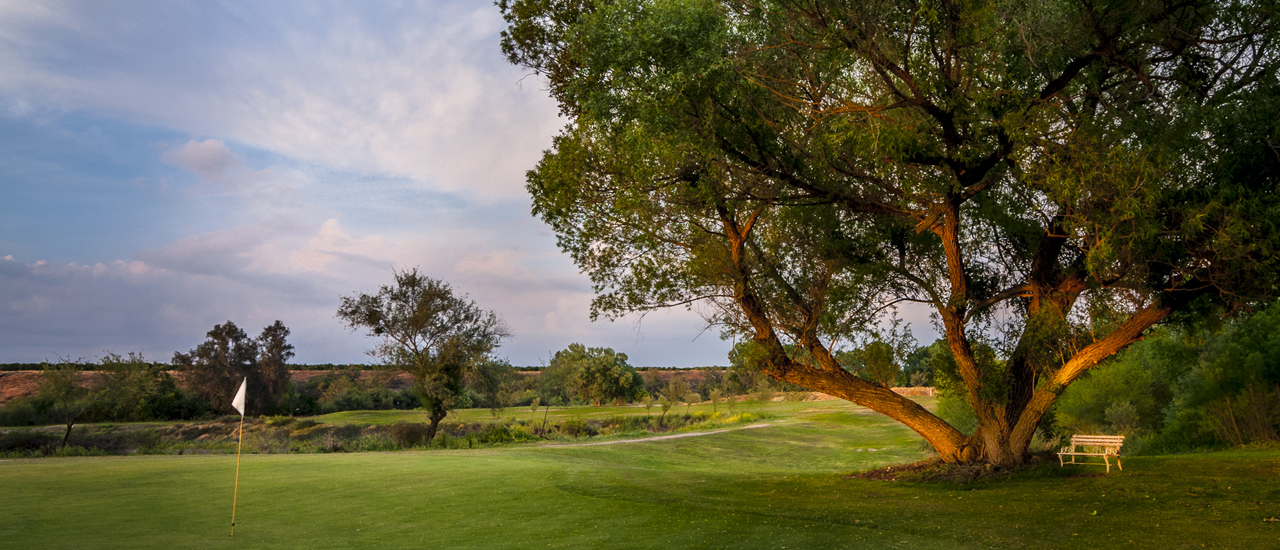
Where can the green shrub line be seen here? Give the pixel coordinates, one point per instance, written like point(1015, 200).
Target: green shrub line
point(284, 434)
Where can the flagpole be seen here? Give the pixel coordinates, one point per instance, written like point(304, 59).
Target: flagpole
point(236, 493)
point(237, 403)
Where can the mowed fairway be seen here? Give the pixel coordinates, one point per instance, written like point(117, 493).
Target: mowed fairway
point(781, 486)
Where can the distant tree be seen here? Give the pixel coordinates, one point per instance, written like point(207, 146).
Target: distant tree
point(665, 403)
point(428, 332)
point(716, 396)
point(138, 389)
point(215, 368)
point(921, 364)
point(274, 353)
point(653, 382)
point(677, 391)
point(493, 380)
point(691, 398)
point(69, 395)
point(599, 374)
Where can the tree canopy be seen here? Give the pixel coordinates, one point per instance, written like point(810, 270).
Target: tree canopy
point(1050, 178)
point(596, 374)
point(430, 333)
point(215, 368)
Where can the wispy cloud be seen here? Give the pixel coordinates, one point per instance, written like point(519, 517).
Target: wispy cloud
point(416, 90)
point(259, 160)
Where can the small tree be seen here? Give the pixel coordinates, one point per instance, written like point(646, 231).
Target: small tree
point(494, 380)
point(689, 399)
point(665, 403)
point(68, 395)
point(428, 332)
point(141, 390)
point(716, 395)
point(879, 363)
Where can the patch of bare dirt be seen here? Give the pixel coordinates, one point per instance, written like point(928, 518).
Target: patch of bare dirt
point(15, 384)
point(25, 383)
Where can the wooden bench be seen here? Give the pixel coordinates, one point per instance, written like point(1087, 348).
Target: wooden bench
point(1105, 446)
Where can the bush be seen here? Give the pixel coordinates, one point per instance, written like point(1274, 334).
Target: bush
point(957, 412)
point(406, 434)
point(27, 442)
point(576, 428)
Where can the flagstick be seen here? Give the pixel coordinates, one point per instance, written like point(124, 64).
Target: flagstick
point(236, 493)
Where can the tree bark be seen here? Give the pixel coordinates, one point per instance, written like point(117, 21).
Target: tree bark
point(67, 436)
point(436, 417)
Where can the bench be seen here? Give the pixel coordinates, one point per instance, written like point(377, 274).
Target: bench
point(1105, 446)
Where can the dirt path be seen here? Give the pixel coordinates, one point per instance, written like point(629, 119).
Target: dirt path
point(658, 438)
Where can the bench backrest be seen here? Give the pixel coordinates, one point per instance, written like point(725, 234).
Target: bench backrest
point(1098, 440)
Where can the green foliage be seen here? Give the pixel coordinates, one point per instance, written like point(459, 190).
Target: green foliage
point(745, 374)
point(1145, 377)
point(593, 374)
point(1189, 388)
point(138, 390)
point(347, 391)
point(427, 331)
point(957, 412)
point(1063, 168)
point(922, 364)
point(216, 367)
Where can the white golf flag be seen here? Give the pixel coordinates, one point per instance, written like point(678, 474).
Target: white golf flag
point(238, 402)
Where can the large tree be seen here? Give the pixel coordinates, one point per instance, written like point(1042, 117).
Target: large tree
point(429, 332)
point(1050, 178)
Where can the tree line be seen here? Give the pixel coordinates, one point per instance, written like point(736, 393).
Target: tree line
point(1215, 383)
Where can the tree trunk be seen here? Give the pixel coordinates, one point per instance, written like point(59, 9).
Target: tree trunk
point(1006, 423)
point(67, 436)
point(436, 417)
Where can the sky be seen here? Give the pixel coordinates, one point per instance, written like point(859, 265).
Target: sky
point(166, 166)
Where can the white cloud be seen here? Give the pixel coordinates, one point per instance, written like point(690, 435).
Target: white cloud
point(417, 91)
point(209, 159)
point(394, 136)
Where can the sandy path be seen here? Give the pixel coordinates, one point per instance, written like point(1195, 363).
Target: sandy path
point(657, 438)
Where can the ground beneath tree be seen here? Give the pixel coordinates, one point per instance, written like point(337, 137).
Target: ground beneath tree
point(934, 470)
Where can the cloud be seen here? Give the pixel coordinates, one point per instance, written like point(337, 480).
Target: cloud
point(414, 90)
point(210, 159)
point(337, 142)
point(331, 242)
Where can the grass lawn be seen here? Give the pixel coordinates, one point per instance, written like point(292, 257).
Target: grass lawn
point(782, 486)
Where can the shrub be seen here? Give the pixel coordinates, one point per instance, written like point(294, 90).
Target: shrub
point(27, 441)
point(576, 428)
point(407, 434)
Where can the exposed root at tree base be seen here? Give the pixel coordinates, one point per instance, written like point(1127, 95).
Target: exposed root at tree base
point(935, 470)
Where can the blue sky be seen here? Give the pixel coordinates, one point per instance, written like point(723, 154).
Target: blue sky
point(166, 166)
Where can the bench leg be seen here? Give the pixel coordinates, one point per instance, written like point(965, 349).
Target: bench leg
point(1107, 462)
point(1118, 464)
